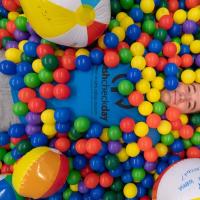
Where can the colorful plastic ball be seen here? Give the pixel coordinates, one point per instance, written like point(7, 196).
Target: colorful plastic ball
point(196, 138)
point(106, 180)
point(111, 161)
point(45, 76)
point(26, 94)
point(132, 149)
point(111, 40)
point(161, 149)
point(135, 98)
point(152, 59)
point(125, 55)
point(79, 162)
point(32, 80)
point(169, 49)
point(33, 118)
point(46, 90)
point(111, 59)
point(141, 129)
point(153, 120)
point(193, 14)
point(62, 115)
point(186, 131)
point(20, 108)
point(8, 67)
point(38, 140)
point(47, 116)
point(95, 130)
point(130, 190)
point(177, 146)
point(36, 105)
point(125, 87)
point(180, 16)
point(149, 73)
point(137, 162)
point(13, 54)
point(137, 49)
point(149, 27)
point(120, 33)
point(173, 114)
point(96, 56)
point(138, 174)
point(114, 147)
point(136, 14)
point(188, 76)
point(155, 46)
point(166, 22)
point(96, 163)
point(50, 62)
point(145, 143)
point(30, 49)
point(91, 180)
point(159, 108)
point(144, 39)
point(61, 91)
point(83, 63)
point(145, 108)
point(151, 155)
point(62, 127)
point(4, 138)
point(44, 49)
point(164, 127)
point(127, 124)
point(81, 124)
point(93, 146)
point(161, 12)
point(171, 69)
point(133, 32)
point(114, 133)
point(24, 68)
point(186, 60)
point(134, 75)
point(58, 166)
point(193, 152)
point(80, 146)
point(171, 83)
point(143, 86)
point(138, 62)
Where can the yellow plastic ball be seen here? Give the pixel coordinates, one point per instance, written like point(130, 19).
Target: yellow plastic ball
point(21, 45)
point(119, 32)
point(161, 149)
point(178, 47)
point(141, 129)
point(121, 15)
point(59, 52)
point(101, 42)
point(132, 149)
point(195, 46)
point(49, 130)
point(149, 73)
point(184, 119)
point(137, 49)
point(81, 52)
point(47, 116)
point(13, 55)
point(165, 127)
point(138, 62)
point(147, 6)
point(104, 135)
point(153, 95)
point(161, 12)
point(74, 188)
point(180, 16)
point(188, 76)
point(145, 108)
point(1, 164)
point(156, 176)
point(126, 22)
point(37, 65)
point(198, 129)
point(175, 134)
point(130, 190)
point(122, 155)
point(194, 14)
point(187, 39)
point(197, 79)
point(158, 83)
point(13, 15)
point(143, 86)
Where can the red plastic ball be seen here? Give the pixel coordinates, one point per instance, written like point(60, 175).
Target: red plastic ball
point(26, 94)
point(5, 169)
point(180, 154)
point(145, 198)
point(17, 140)
point(10, 5)
point(186, 132)
point(152, 59)
point(61, 75)
point(62, 144)
point(46, 90)
point(122, 45)
point(176, 125)
point(169, 49)
point(93, 146)
point(161, 64)
point(80, 146)
point(44, 49)
point(192, 3)
point(61, 91)
point(144, 39)
point(173, 5)
point(173, 114)
point(11, 27)
point(37, 105)
point(186, 60)
point(4, 33)
point(17, 2)
point(145, 143)
point(153, 120)
point(127, 124)
point(70, 52)
point(68, 62)
point(135, 98)
point(193, 152)
point(85, 171)
point(111, 59)
point(91, 180)
point(151, 155)
point(166, 22)
point(106, 180)
point(176, 60)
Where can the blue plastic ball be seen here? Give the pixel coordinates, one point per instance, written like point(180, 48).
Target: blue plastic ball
point(137, 162)
point(96, 163)
point(7, 67)
point(3, 12)
point(171, 82)
point(96, 56)
point(39, 139)
point(73, 149)
point(161, 167)
point(79, 162)
point(111, 40)
point(127, 177)
point(134, 75)
point(173, 159)
point(24, 68)
point(177, 146)
point(55, 197)
point(154, 135)
point(97, 192)
point(83, 63)
point(17, 130)
point(16, 154)
point(129, 137)
point(133, 32)
point(75, 196)
point(185, 49)
point(63, 127)
point(148, 181)
point(116, 172)
point(17, 82)
point(104, 149)
point(30, 49)
point(95, 130)
point(136, 14)
point(87, 197)
point(181, 4)
point(141, 191)
point(4, 138)
point(155, 46)
point(175, 30)
point(127, 165)
point(62, 115)
point(171, 69)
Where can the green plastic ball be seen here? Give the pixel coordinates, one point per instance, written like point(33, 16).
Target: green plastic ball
point(8, 159)
point(127, 4)
point(70, 163)
point(163, 3)
point(45, 76)
point(74, 177)
point(117, 186)
point(25, 58)
point(167, 139)
point(5, 40)
point(20, 109)
point(50, 62)
point(160, 34)
point(114, 133)
point(2, 153)
point(149, 27)
point(119, 196)
point(3, 23)
point(74, 135)
point(159, 108)
point(24, 146)
point(115, 7)
point(176, 39)
point(138, 174)
point(109, 195)
point(66, 194)
point(195, 119)
point(81, 124)
point(32, 80)
point(196, 139)
point(21, 23)
point(187, 144)
point(125, 87)
point(113, 23)
point(149, 16)
point(111, 162)
point(125, 55)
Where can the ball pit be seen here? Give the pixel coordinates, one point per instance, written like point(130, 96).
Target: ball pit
point(118, 147)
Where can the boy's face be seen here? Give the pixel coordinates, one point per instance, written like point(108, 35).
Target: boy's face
point(185, 97)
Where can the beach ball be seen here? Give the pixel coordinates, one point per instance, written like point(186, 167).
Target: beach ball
point(40, 173)
point(75, 23)
point(7, 191)
point(179, 181)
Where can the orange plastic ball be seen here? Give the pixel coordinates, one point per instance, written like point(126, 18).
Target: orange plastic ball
point(173, 114)
point(85, 171)
point(91, 180)
point(161, 64)
point(26, 94)
point(151, 155)
point(80, 146)
point(68, 62)
point(93, 146)
point(10, 5)
point(46, 90)
point(61, 75)
point(36, 105)
point(186, 60)
point(127, 124)
point(70, 52)
point(144, 39)
point(173, 5)
point(169, 49)
point(192, 3)
point(186, 132)
point(122, 45)
point(166, 22)
point(176, 125)
point(176, 60)
point(61, 91)
point(193, 152)
point(62, 144)
point(136, 98)
point(11, 27)
point(145, 143)
point(152, 59)
point(153, 120)
point(111, 59)
point(106, 180)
